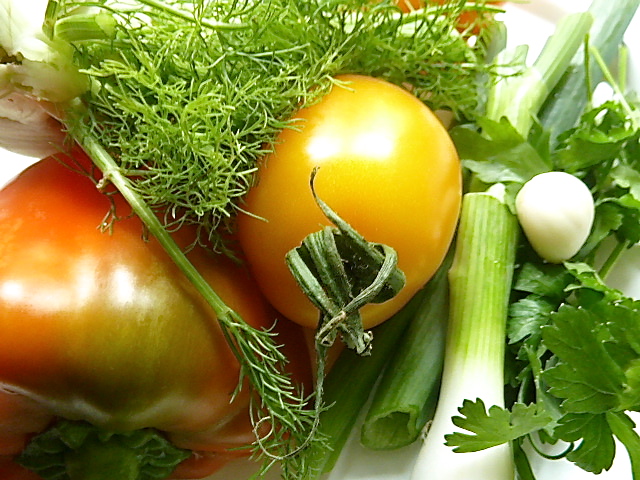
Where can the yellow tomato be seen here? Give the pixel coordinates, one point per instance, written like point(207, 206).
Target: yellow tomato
point(386, 165)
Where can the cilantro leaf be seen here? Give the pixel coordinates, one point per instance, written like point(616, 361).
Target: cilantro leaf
point(499, 154)
point(495, 426)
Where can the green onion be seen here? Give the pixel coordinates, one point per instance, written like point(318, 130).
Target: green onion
point(520, 97)
point(481, 275)
point(352, 379)
point(569, 98)
point(480, 284)
point(406, 396)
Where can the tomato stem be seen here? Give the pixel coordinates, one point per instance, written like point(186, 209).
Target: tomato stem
point(340, 272)
point(81, 451)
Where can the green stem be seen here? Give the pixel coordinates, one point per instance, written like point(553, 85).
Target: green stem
point(520, 97)
point(631, 113)
point(341, 272)
point(85, 27)
point(112, 174)
point(97, 460)
point(612, 259)
point(521, 460)
point(186, 15)
point(281, 404)
point(569, 98)
point(349, 384)
point(406, 396)
point(480, 282)
point(480, 286)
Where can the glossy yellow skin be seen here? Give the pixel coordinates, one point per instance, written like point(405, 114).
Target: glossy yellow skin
point(386, 165)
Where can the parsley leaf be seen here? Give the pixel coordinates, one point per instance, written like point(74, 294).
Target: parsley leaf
point(498, 154)
point(546, 280)
point(546, 286)
point(623, 428)
point(596, 141)
point(495, 426)
point(596, 449)
point(587, 376)
point(588, 280)
point(604, 150)
point(527, 316)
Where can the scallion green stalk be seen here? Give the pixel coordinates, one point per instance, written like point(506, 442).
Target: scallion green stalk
point(519, 98)
point(569, 97)
point(353, 377)
point(406, 396)
point(480, 284)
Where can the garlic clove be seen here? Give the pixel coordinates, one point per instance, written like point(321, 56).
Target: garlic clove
point(556, 212)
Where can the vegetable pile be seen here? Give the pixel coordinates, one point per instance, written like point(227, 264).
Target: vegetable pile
point(250, 218)
point(174, 104)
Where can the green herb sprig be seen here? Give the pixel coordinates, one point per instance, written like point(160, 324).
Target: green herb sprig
point(188, 97)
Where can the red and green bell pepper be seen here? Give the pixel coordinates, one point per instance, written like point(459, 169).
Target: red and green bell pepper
point(98, 325)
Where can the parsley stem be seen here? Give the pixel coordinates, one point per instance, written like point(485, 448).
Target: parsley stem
point(631, 114)
point(612, 259)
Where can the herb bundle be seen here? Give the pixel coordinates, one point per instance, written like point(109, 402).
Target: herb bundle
point(186, 97)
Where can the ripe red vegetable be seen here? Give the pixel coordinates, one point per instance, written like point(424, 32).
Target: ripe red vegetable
point(103, 327)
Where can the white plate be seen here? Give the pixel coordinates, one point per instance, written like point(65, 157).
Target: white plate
point(528, 23)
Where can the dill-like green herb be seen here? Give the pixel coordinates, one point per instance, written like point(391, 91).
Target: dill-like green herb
point(188, 102)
